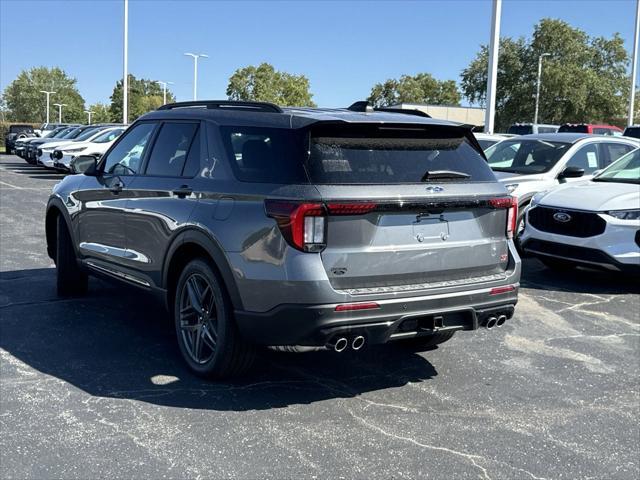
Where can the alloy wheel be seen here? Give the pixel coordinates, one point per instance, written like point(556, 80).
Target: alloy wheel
point(198, 318)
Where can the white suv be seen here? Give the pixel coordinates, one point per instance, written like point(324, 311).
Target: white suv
point(529, 164)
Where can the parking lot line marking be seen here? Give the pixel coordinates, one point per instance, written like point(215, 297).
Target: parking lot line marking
point(12, 186)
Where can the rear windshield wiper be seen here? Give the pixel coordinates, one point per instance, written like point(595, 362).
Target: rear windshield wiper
point(444, 175)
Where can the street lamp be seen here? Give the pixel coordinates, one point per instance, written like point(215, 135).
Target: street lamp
point(535, 116)
point(47, 94)
point(125, 63)
point(89, 113)
point(195, 71)
point(164, 90)
point(59, 105)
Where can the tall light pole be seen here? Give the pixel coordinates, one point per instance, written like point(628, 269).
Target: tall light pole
point(195, 71)
point(89, 113)
point(535, 115)
point(164, 90)
point(125, 73)
point(59, 105)
point(492, 74)
point(48, 94)
point(634, 66)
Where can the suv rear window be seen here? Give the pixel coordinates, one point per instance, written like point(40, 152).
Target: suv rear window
point(520, 129)
point(573, 129)
point(632, 132)
point(20, 128)
point(383, 155)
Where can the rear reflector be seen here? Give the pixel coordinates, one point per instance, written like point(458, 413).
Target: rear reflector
point(499, 290)
point(346, 307)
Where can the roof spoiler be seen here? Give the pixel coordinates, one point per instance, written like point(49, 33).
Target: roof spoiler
point(226, 104)
point(364, 106)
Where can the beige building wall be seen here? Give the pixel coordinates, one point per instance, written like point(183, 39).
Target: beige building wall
point(468, 115)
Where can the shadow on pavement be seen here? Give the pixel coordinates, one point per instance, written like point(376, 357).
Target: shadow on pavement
point(538, 277)
point(116, 342)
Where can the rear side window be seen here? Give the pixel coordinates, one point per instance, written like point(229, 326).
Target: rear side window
point(171, 148)
point(632, 132)
point(384, 155)
point(265, 155)
point(615, 151)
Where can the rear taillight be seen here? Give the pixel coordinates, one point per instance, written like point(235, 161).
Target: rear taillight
point(355, 208)
point(303, 225)
point(510, 203)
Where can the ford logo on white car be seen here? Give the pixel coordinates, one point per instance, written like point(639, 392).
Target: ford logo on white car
point(562, 217)
point(435, 189)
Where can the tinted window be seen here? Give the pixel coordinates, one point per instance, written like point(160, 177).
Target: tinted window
point(265, 155)
point(170, 150)
point(632, 132)
point(520, 129)
point(383, 155)
point(126, 156)
point(587, 158)
point(487, 143)
point(615, 151)
point(574, 129)
point(192, 167)
point(547, 129)
point(525, 156)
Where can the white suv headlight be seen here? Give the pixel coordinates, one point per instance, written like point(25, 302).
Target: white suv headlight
point(624, 214)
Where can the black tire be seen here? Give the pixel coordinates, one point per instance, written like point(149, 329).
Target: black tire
point(70, 279)
point(516, 236)
point(223, 352)
point(425, 343)
point(558, 264)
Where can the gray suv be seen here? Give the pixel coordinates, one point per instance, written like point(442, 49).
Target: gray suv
point(292, 227)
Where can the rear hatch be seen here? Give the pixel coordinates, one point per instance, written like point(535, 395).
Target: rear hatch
point(407, 207)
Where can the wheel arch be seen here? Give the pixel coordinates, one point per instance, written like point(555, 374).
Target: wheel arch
point(55, 208)
point(193, 243)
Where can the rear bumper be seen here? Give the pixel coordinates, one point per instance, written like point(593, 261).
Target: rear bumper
point(397, 318)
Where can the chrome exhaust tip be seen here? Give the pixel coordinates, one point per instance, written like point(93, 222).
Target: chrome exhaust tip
point(341, 344)
point(358, 342)
point(491, 322)
point(501, 320)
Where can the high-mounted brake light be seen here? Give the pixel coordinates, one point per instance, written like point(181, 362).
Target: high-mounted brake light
point(510, 203)
point(303, 225)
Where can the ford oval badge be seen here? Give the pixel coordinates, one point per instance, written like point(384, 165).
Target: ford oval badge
point(562, 217)
point(435, 189)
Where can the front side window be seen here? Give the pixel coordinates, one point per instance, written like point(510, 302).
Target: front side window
point(171, 148)
point(126, 156)
point(109, 136)
point(525, 156)
point(587, 158)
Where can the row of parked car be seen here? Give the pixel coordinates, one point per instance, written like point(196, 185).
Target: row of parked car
point(57, 145)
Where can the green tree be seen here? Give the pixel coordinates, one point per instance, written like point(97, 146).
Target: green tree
point(420, 88)
point(144, 95)
point(584, 78)
point(265, 84)
point(101, 113)
point(26, 103)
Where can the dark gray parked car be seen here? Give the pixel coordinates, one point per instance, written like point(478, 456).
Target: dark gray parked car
point(261, 225)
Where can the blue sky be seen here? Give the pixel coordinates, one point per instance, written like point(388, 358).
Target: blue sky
point(344, 47)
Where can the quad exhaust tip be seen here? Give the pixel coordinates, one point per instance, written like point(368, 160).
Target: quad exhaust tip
point(341, 344)
point(501, 320)
point(492, 322)
point(358, 342)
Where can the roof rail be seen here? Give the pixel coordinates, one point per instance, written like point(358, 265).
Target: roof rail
point(225, 104)
point(365, 106)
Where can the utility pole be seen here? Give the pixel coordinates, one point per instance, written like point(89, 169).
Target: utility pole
point(195, 71)
point(89, 113)
point(125, 73)
point(164, 90)
point(634, 65)
point(492, 75)
point(48, 94)
point(59, 105)
point(535, 116)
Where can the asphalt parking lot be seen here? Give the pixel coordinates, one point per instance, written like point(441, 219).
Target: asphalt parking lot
point(95, 387)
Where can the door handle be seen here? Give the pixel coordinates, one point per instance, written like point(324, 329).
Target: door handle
point(183, 191)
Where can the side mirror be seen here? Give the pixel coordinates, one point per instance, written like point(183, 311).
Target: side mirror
point(571, 172)
point(86, 164)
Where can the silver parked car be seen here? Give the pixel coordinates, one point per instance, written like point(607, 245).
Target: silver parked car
point(261, 225)
point(530, 164)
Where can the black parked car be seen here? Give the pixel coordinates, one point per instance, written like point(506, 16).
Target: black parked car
point(296, 228)
point(17, 131)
